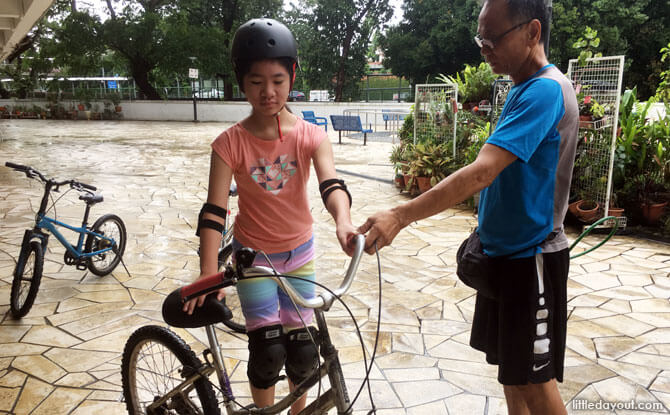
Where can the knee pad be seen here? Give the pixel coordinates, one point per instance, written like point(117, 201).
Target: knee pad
point(267, 354)
point(302, 355)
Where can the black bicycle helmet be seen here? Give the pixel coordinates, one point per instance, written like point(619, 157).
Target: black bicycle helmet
point(260, 39)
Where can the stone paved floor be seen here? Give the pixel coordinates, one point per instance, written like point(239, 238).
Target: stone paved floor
point(64, 357)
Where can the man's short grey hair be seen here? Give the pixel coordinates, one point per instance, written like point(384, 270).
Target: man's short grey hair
point(523, 10)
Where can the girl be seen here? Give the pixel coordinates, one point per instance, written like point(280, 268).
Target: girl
point(268, 153)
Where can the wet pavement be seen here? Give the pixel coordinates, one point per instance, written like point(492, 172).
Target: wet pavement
point(64, 356)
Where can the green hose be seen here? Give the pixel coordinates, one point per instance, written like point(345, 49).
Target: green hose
point(589, 229)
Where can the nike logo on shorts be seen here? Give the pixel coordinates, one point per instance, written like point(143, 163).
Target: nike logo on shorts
point(538, 368)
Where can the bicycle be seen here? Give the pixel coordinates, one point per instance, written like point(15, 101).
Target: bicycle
point(99, 248)
point(162, 375)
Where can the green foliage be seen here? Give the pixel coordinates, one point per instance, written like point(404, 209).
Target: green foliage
point(431, 160)
point(636, 29)
point(406, 132)
point(587, 44)
point(333, 39)
point(642, 156)
point(476, 83)
point(435, 36)
point(663, 89)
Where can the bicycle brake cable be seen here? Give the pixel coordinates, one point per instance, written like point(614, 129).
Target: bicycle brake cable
point(374, 349)
point(53, 202)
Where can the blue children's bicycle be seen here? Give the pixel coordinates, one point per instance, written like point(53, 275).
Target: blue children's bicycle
point(99, 247)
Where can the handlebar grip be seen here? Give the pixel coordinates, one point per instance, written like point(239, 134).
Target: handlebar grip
point(15, 166)
point(88, 186)
point(201, 286)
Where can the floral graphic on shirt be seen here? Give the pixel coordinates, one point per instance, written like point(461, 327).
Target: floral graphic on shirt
point(272, 176)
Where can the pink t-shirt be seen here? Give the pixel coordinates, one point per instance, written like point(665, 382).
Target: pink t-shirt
point(271, 179)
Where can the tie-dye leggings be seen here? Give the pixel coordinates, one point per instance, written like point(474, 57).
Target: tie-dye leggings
point(264, 303)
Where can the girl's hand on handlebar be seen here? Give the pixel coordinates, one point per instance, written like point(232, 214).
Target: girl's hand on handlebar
point(190, 305)
point(345, 234)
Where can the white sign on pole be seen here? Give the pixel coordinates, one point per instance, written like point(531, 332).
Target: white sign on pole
point(193, 73)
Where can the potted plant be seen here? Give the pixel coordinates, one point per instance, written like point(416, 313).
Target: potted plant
point(474, 86)
point(429, 165)
point(397, 159)
point(586, 208)
point(115, 98)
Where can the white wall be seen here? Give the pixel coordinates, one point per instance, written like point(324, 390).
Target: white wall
point(231, 111)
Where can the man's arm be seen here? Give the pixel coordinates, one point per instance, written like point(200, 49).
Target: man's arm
point(458, 186)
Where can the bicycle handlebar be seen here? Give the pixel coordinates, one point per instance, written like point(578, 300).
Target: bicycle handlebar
point(30, 172)
point(228, 277)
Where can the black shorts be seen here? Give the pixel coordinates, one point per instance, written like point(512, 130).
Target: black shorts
point(524, 331)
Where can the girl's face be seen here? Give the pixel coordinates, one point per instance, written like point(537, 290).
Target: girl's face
point(266, 86)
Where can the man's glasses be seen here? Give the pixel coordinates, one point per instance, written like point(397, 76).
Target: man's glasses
point(490, 43)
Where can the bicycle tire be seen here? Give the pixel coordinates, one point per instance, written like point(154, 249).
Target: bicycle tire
point(111, 226)
point(231, 300)
point(155, 354)
point(24, 290)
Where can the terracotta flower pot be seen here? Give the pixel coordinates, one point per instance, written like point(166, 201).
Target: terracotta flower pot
point(585, 121)
point(615, 211)
point(424, 183)
point(409, 182)
point(652, 212)
point(118, 108)
point(400, 181)
point(81, 107)
point(585, 213)
point(572, 207)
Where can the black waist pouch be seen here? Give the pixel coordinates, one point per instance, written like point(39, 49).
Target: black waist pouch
point(476, 269)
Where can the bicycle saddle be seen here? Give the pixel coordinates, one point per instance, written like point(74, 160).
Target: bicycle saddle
point(91, 199)
point(212, 311)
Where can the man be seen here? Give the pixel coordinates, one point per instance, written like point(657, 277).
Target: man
point(523, 172)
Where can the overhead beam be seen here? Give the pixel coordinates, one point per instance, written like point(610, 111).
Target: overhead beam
point(11, 8)
point(24, 14)
point(7, 24)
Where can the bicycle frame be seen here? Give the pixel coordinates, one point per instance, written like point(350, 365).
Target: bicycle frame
point(50, 224)
point(336, 396)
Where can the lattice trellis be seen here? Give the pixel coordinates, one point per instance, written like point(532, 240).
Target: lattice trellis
point(434, 115)
point(598, 81)
point(501, 88)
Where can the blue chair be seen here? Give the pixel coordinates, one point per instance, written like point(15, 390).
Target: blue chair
point(310, 117)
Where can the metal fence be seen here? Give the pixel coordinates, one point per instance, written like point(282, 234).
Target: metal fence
point(385, 123)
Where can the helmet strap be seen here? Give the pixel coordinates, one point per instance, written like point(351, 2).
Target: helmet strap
point(281, 137)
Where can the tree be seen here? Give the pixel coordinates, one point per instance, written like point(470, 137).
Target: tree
point(435, 36)
point(156, 39)
point(333, 39)
point(637, 29)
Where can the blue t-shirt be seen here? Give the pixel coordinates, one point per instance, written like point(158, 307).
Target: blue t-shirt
point(516, 210)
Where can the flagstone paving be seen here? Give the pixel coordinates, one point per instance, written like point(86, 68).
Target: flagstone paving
point(64, 356)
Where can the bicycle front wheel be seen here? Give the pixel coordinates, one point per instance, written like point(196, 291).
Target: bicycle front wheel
point(27, 277)
point(109, 226)
point(231, 300)
point(153, 363)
